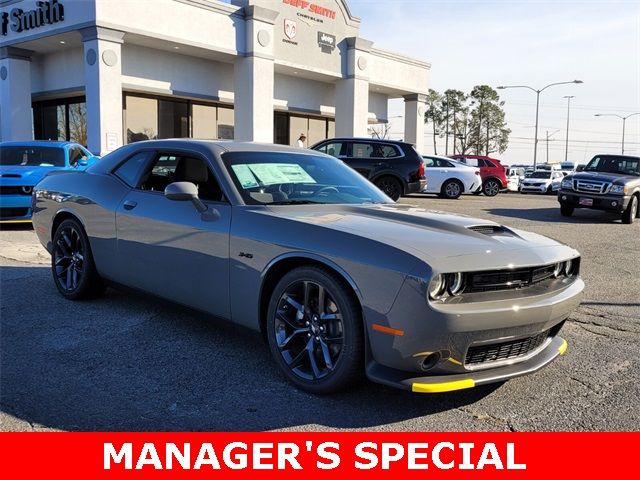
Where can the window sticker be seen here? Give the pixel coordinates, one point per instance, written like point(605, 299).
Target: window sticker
point(245, 177)
point(279, 173)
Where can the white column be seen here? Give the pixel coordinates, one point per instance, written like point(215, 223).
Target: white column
point(414, 108)
point(103, 83)
point(352, 92)
point(254, 78)
point(16, 120)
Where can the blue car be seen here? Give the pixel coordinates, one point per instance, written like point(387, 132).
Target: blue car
point(24, 164)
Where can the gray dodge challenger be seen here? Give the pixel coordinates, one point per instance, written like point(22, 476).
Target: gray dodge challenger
point(339, 279)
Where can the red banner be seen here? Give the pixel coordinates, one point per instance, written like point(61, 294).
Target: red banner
point(316, 455)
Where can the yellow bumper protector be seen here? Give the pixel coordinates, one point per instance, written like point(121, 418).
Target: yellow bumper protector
point(563, 348)
point(442, 387)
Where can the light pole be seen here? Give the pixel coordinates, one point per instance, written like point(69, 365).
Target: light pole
point(538, 92)
point(566, 145)
point(624, 122)
point(549, 135)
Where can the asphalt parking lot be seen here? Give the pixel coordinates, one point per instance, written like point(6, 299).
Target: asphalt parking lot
point(126, 362)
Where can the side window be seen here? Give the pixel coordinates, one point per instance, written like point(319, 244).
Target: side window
point(333, 149)
point(130, 171)
point(385, 151)
point(361, 150)
point(75, 154)
point(486, 163)
point(473, 162)
point(444, 164)
point(429, 162)
point(178, 168)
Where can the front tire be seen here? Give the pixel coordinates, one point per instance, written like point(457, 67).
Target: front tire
point(566, 210)
point(315, 330)
point(491, 188)
point(631, 212)
point(452, 189)
point(72, 266)
point(390, 186)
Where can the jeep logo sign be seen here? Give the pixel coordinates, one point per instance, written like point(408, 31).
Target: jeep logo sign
point(327, 42)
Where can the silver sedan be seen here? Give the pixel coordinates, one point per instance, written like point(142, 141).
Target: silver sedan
point(340, 280)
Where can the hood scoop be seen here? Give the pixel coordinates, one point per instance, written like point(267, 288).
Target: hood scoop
point(11, 175)
point(491, 230)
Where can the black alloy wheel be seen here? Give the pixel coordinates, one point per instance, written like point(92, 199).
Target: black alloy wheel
point(391, 187)
point(72, 266)
point(314, 331)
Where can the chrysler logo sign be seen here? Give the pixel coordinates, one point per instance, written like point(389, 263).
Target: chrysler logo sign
point(327, 42)
point(18, 20)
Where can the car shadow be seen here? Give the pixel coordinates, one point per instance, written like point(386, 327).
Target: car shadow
point(125, 362)
point(16, 227)
point(553, 215)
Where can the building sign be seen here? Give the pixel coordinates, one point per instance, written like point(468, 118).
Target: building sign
point(290, 28)
point(18, 20)
point(312, 8)
point(327, 42)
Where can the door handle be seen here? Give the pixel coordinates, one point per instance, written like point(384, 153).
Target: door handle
point(129, 205)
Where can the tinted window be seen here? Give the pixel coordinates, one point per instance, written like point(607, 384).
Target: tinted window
point(333, 149)
point(429, 162)
point(614, 164)
point(385, 151)
point(540, 175)
point(130, 171)
point(486, 163)
point(32, 156)
point(75, 154)
point(361, 150)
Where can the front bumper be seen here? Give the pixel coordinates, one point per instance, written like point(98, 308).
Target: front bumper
point(608, 203)
point(450, 333)
point(15, 208)
point(534, 188)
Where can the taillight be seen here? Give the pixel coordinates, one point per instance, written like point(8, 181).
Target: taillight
point(421, 170)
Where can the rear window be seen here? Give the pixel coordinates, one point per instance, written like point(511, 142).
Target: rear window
point(32, 156)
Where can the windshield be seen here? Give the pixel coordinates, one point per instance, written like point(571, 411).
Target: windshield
point(275, 178)
point(540, 175)
point(32, 156)
point(613, 164)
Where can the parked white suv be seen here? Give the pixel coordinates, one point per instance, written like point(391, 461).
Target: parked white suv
point(449, 178)
point(542, 181)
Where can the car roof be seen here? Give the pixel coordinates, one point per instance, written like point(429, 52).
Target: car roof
point(38, 143)
point(364, 139)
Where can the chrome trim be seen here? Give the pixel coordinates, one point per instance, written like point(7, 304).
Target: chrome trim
point(591, 186)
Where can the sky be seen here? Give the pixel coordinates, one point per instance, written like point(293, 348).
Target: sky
point(525, 43)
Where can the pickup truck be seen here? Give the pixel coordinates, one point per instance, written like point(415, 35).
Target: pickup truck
point(609, 182)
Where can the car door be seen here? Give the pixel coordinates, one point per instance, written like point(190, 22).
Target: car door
point(167, 247)
point(359, 156)
point(434, 173)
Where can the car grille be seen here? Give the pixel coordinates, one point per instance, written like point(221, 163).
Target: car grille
point(591, 186)
point(13, 212)
point(13, 190)
point(507, 280)
point(497, 352)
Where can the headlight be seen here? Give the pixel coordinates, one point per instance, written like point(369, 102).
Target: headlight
point(437, 287)
point(455, 283)
point(569, 268)
point(558, 270)
point(567, 183)
point(618, 189)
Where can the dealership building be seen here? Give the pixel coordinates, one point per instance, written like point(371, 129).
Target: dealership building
point(110, 72)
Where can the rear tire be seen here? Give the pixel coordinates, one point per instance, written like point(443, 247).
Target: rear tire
point(390, 186)
point(631, 212)
point(452, 189)
point(566, 210)
point(319, 347)
point(491, 188)
point(72, 266)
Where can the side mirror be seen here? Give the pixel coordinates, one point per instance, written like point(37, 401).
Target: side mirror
point(185, 192)
point(83, 162)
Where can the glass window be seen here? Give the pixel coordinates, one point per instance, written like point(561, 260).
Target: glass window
point(361, 150)
point(78, 123)
point(298, 125)
point(226, 119)
point(317, 131)
point(334, 149)
point(173, 119)
point(273, 178)
point(141, 118)
point(75, 154)
point(204, 120)
point(32, 156)
point(331, 128)
point(429, 162)
point(54, 122)
point(130, 170)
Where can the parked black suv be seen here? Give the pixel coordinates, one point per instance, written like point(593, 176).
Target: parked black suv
point(394, 167)
point(608, 182)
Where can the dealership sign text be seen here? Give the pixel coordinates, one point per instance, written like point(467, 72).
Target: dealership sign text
point(18, 20)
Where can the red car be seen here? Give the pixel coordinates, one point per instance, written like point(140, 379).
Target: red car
point(493, 174)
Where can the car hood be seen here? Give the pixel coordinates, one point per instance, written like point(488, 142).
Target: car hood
point(603, 177)
point(24, 175)
point(434, 236)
